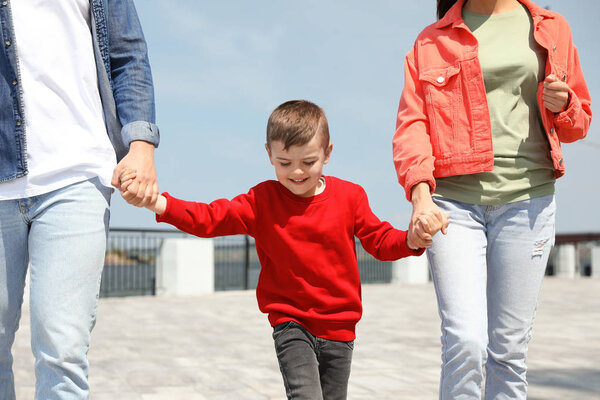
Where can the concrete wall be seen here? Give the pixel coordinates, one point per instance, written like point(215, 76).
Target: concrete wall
point(565, 260)
point(185, 267)
point(411, 270)
point(596, 262)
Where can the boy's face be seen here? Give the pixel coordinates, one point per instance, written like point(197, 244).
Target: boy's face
point(299, 168)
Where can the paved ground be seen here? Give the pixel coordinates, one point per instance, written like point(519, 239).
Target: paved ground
point(219, 347)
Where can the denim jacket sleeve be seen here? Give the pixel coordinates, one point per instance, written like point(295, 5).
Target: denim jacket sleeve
point(124, 74)
point(133, 89)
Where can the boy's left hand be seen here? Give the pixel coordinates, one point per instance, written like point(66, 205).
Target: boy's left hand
point(555, 94)
point(126, 178)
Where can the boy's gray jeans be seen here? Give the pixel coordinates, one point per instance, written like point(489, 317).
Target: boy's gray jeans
point(313, 368)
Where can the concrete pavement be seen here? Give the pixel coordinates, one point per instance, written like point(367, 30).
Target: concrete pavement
point(219, 347)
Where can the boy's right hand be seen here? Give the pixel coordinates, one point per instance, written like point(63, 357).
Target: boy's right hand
point(126, 178)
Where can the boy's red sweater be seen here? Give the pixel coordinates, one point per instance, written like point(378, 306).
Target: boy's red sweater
point(306, 248)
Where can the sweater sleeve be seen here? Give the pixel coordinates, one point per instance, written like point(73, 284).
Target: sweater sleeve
point(379, 238)
point(220, 218)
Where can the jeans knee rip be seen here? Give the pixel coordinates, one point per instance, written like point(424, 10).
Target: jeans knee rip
point(538, 247)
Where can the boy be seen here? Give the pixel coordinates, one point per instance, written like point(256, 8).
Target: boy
point(304, 226)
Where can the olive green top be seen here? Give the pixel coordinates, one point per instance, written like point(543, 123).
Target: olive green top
point(513, 64)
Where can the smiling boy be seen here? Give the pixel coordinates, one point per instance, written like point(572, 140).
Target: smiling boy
point(304, 225)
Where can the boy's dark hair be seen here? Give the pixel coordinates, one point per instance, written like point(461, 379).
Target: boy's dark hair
point(296, 122)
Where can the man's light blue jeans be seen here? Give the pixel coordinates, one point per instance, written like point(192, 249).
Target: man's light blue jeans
point(487, 272)
point(62, 236)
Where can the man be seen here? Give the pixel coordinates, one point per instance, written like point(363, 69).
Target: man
point(76, 95)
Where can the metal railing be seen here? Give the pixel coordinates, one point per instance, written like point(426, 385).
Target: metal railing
point(237, 266)
point(130, 261)
point(131, 257)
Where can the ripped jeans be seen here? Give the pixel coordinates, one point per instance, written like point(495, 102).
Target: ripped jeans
point(487, 272)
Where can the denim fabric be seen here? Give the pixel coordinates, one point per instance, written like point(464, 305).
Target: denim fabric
point(62, 236)
point(124, 79)
point(313, 368)
point(487, 272)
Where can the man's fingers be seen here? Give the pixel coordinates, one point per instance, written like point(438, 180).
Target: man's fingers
point(115, 181)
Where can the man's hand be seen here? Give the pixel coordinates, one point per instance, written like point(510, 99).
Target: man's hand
point(144, 188)
point(555, 94)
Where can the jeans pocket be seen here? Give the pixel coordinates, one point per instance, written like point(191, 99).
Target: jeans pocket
point(280, 329)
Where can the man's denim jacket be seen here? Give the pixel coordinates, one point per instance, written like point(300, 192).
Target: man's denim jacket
point(124, 81)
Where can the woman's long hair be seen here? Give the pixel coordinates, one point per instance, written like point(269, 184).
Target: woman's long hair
point(443, 6)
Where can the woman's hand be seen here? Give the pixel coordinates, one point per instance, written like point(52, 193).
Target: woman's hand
point(555, 94)
point(426, 220)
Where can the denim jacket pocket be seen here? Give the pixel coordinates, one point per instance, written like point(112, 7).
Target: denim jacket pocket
point(443, 98)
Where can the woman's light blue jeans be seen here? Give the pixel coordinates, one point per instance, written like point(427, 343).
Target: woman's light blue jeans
point(487, 272)
point(62, 236)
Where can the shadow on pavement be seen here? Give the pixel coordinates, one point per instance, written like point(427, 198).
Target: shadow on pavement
point(582, 379)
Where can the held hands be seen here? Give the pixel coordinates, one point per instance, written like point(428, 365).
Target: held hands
point(555, 94)
point(128, 189)
point(427, 219)
point(424, 226)
point(140, 159)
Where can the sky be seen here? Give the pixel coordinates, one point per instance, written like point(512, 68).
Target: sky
point(221, 67)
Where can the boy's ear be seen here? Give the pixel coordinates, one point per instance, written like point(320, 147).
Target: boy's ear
point(328, 153)
point(268, 152)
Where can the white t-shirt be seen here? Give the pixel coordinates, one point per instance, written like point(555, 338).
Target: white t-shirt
point(66, 138)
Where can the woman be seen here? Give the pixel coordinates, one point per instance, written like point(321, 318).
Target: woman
point(491, 89)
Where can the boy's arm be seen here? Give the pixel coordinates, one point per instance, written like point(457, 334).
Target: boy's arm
point(379, 238)
point(220, 218)
point(159, 206)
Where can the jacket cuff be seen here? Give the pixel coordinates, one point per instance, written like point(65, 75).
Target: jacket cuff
point(569, 116)
point(411, 184)
point(141, 130)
